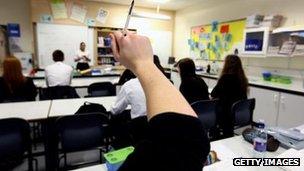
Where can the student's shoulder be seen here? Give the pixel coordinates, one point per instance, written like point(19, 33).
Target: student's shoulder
point(132, 82)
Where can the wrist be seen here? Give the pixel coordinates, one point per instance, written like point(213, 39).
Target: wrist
point(143, 67)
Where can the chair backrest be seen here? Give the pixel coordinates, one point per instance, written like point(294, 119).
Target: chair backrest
point(101, 89)
point(58, 92)
point(243, 112)
point(206, 111)
point(81, 132)
point(14, 141)
point(89, 107)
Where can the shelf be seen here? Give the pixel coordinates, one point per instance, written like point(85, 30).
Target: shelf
point(106, 56)
point(105, 47)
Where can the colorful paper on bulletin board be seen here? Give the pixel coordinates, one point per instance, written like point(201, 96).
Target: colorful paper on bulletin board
point(46, 18)
point(59, 9)
point(225, 28)
point(78, 12)
point(102, 15)
point(227, 37)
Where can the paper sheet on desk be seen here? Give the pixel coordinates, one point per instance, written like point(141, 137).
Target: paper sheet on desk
point(299, 128)
point(226, 165)
point(223, 153)
point(292, 153)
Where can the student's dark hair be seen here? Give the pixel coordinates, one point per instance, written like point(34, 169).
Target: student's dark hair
point(81, 43)
point(157, 63)
point(126, 76)
point(233, 65)
point(186, 68)
point(58, 55)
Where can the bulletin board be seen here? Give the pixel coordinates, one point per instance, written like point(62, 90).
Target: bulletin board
point(216, 40)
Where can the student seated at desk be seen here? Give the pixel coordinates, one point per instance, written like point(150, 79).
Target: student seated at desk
point(231, 87)
point(126, 76)
point(58, 74)
point(176, 141)
point(132, 93)
point(192, 86)
point(14, 86)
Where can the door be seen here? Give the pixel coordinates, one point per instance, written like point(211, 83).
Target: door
point(267, 104)
point(291, 111)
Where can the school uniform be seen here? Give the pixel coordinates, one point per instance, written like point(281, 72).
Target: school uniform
point(58, 74)
point(82, 64)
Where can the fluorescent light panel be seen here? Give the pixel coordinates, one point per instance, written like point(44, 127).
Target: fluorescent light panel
point(151, 16)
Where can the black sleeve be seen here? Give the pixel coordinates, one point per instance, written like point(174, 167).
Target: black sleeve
point(31, 89)
point(176, 143)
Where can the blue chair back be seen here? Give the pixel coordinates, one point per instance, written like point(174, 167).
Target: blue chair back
point(101, 89)
point(206, 111)
point(58, 92)
point(14, 142)
point(82, 132)
point(243, 112)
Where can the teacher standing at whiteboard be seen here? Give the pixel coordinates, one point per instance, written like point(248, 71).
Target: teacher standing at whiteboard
point(82, 58)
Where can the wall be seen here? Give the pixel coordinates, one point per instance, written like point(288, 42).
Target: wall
point(18, 11)
point(116, 18)
point(223, 10)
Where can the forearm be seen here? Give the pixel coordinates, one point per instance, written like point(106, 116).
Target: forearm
point(161, 95)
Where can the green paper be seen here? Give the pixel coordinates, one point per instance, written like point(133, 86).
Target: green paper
point(118, 156)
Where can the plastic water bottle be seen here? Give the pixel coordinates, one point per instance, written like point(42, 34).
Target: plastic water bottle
point(260, 141)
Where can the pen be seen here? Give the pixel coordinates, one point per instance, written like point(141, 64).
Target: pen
point(128, 18)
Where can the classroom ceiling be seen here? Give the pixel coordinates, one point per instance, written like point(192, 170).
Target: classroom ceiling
point(164, 4)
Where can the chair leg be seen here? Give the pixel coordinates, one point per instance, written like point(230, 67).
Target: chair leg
point(65, 160)
point(100, 156)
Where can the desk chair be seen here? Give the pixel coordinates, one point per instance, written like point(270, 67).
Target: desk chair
point(81, 133)
point(101, 89)
point(58, 92)
point(206, 111)
point(15, 143)
point(243, 112)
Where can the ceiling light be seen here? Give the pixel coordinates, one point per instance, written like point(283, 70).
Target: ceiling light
point(160, 1)
point(151, 16)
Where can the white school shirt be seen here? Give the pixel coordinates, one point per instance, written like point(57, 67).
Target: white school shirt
point(80, 54)
point(131, 93)
point(58, 74)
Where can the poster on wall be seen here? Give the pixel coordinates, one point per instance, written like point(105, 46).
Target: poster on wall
point(46, 18)
point(91, 22)
point(14, 34)
point(59, 9)
point(102, 15)
point(216, 40)
point(78, 12)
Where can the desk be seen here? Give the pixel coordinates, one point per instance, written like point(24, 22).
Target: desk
point(35, 110)
point(226, 150)
point(100, 167)
point(70, 106)
point(80, 82)
point(235, 147)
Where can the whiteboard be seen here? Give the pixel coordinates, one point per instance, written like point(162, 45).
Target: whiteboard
point(66, 38)
point(161, 43)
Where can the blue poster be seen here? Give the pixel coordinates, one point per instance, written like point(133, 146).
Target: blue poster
point(13, 30)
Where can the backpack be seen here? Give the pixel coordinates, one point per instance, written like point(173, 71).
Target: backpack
point(89, 107)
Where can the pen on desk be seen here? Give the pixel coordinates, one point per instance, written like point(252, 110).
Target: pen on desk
point(128, 18)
